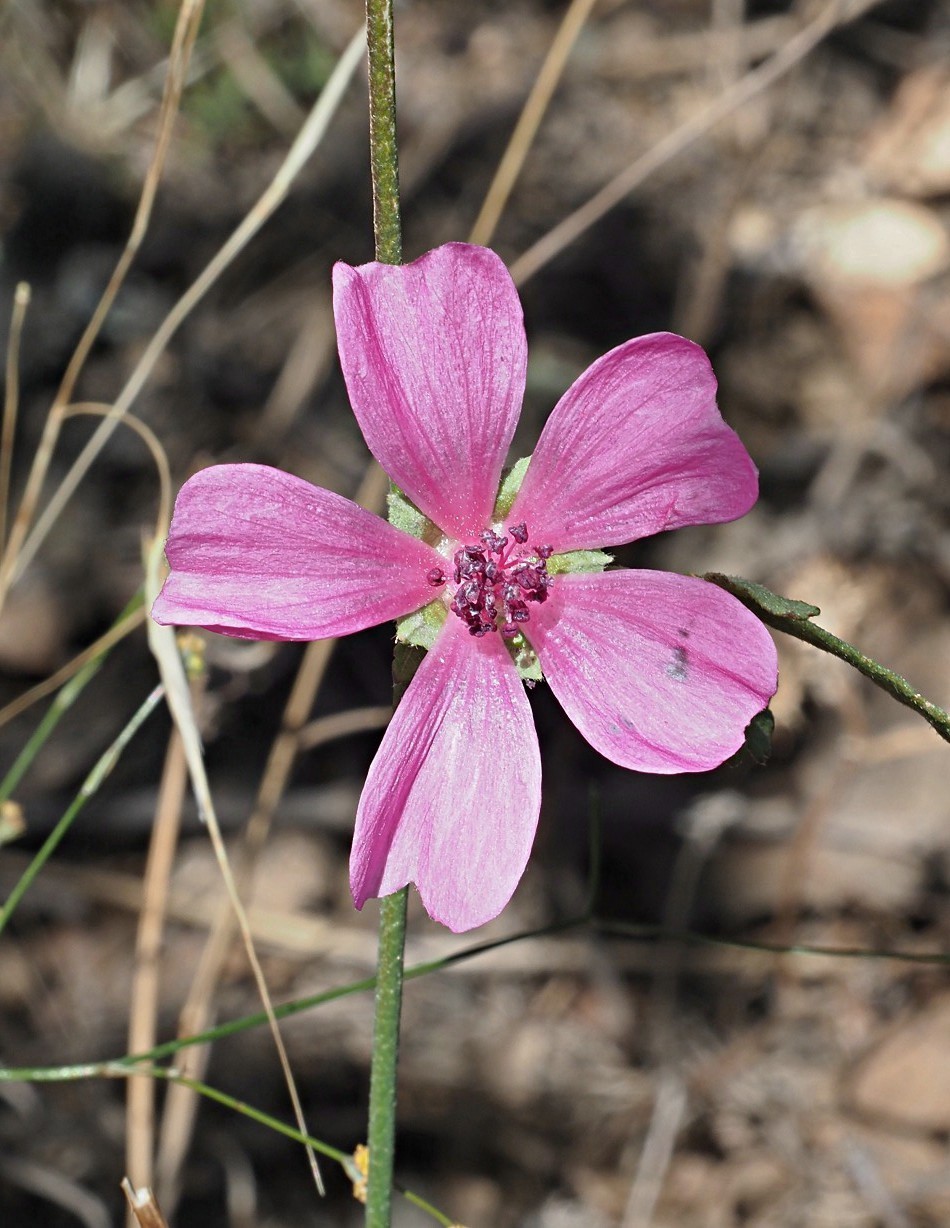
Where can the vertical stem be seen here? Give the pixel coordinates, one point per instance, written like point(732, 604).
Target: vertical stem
point(382, 1088)
point(384, 152)
point(387, 228)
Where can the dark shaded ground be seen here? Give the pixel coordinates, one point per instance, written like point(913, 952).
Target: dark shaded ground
point(580, 1080)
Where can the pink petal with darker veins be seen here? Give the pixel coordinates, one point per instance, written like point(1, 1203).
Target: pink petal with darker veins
point(434, 356)
point(257, 553)
point(635, 446)
point(452, 798)
point(660, 673)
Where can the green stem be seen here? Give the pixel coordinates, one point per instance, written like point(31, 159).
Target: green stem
point(383, 150)
point(382, 1087)
point(387, 229)
point(795, 618)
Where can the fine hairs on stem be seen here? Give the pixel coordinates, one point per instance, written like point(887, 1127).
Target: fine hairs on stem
point(387, 227)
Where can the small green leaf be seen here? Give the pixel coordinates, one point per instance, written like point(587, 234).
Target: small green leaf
point(404, 514)
point(578, 560)
point(511, 481)
point(421, 627)
point(757, 595)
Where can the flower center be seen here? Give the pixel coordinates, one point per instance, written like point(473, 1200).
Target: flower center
point(496, 580)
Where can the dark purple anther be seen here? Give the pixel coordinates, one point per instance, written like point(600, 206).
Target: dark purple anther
point(494, 541)
point(436, 576)
point(495, 581)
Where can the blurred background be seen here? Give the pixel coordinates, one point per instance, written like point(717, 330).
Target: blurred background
point(579, 1080)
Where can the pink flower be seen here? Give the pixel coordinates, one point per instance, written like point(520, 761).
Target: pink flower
point(660, 673)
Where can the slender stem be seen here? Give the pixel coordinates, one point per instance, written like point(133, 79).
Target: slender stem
point(384, 152)
point(382, 1088)
point(387, 229)
point(795, 618)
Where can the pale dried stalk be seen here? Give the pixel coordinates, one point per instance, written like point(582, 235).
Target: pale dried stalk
point(13, 562)
point(11, 400)
point(143, 1015)
point(105, 641)
point(117, 633)
point(680, 139)
point(142, 1206)
point(307, 140)
point(181, 1104)
point(546, 82)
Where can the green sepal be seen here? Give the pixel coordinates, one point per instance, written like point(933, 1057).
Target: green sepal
point(404, 514)
point(511, 481)
point(406, 660)
point(578, 560)
point(757, 747)
point(421, 627)
point(525, 659)
point(758, 736)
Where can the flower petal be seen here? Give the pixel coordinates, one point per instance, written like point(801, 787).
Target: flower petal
point(434, 356)
point(258, 553)
point(660, 673)
point(635, 446)
point(452, 798)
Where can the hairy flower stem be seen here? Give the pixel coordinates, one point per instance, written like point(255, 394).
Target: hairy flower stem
point(387, 228)
point(382, 1089)
point(384, 151)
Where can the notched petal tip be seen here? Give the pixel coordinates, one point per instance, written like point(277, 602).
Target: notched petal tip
point(434, 356)
point(636, 446)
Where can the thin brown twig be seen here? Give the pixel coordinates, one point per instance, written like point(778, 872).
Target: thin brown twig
point(154, 445)
point(105, 641)
point(186, 31)
point(111, 637)
point(546, 82)
point(11, 400)
point(181, 1103)
point(680, 139)
point(341, 724)
point(143, 1206)
point(300, 151)
point(143, 1012)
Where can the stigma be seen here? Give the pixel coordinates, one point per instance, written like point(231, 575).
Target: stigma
point(496, 580)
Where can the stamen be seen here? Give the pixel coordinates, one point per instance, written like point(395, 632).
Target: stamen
point(496, 581)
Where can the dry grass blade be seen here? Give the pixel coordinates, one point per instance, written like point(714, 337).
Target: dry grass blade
point(11, 400)
point(105, 641)
point(529, 121)
point(143, 1013)
point(165, 649)
point(341, 724)
point(307, 140)
point(680, 139)
point(257, 79)
point(114, 634)
point(154, 445)
point(186, 31)
point(143, 1208)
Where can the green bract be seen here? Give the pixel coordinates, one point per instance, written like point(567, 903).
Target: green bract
point(421, 628)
